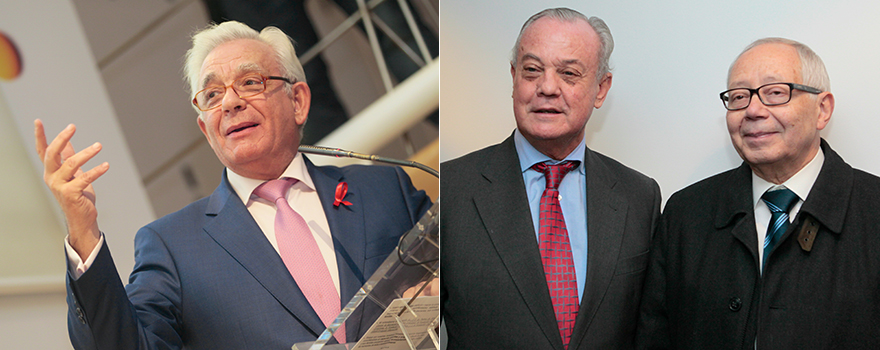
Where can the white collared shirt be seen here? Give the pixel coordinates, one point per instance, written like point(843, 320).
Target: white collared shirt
point(801, 184)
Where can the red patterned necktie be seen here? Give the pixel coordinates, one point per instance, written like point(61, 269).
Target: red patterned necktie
point(301, 255)
point(556, 251)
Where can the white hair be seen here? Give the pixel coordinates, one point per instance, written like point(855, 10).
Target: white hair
point(215, 35)
point(813, 71)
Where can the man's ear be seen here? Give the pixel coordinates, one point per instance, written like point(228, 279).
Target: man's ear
point(513, 77)
point(203, 127)
point(301, 97)
point(604, 86)
point(826, 107)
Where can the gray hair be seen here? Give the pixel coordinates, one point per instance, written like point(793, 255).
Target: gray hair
point(813, 71)
point(569, 15)
point(215, 35)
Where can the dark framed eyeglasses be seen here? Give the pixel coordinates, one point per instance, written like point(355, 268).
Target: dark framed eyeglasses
point(772, 94)
point(246, 86)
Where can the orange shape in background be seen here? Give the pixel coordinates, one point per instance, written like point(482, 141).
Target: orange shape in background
point(10, 59)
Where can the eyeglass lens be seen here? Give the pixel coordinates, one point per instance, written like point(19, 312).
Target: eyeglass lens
point(246, 86)
point(770, 95)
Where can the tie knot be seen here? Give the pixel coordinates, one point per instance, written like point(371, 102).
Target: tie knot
point(779, 201)
point(273, 189)
point(555, 172)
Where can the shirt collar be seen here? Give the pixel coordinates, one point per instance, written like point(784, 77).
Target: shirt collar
point(529, 155)
point(801, 183)
point(244, 187)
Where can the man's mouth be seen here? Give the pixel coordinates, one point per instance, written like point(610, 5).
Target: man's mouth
point(756, 134)
point(547, 111)
point(240, 127)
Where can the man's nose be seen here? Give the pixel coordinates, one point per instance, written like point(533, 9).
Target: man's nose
point(548, 84)
point(231, 101)
point(756, 108)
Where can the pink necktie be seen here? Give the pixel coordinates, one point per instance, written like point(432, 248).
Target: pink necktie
point(301, 255)
point(556, 250)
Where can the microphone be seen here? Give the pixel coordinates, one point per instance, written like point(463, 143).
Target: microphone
point(336, 152)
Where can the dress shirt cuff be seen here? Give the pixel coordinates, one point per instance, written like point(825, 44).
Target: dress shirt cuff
point(75, 265)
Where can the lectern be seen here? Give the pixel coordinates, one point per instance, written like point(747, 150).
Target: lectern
point(395, 322)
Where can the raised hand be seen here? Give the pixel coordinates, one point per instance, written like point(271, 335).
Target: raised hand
point(72, 187)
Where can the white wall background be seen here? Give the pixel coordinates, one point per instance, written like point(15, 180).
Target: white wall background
point(59, 84)
point(663, 116)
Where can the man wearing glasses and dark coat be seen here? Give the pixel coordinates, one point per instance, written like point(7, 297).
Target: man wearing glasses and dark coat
point(781, 252)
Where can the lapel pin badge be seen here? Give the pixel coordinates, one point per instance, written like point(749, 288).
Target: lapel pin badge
point(341, 192)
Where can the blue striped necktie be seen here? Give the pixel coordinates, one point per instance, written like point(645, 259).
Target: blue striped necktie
point(780, 202)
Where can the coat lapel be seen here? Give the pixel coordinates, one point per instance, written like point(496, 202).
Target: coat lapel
point(826, 203)
point(606, 219)
point(347, 229)
point(736, 207)
point(830, 197)
point(503, 208)
point(234, 229)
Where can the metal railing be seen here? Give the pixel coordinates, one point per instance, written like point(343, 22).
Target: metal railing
point(388, 117)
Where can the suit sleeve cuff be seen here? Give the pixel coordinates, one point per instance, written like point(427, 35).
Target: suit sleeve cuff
point(75, 265)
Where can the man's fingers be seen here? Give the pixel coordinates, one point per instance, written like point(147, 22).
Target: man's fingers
point(72, 165)
point(40, 137)
point(85, 179)
point(67, 152)
point(52, 157)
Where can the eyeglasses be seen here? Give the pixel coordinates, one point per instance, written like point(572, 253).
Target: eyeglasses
point(773, 94)
point(246, 86)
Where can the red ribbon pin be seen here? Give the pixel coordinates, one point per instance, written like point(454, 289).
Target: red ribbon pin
point(341, 191)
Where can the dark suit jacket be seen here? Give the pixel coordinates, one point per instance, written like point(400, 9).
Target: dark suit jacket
point(206, 277)
point(704, 288)
point(493, 291)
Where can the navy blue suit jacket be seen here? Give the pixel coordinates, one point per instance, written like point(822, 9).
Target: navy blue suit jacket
point(206, 277)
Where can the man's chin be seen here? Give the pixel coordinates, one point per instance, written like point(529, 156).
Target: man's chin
point(759, 157)
point(549, 135)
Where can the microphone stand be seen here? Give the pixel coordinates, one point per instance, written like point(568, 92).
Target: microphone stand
point(427, 229)
point(336, 152)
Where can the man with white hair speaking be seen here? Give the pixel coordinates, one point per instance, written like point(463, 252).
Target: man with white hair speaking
point(269, 258)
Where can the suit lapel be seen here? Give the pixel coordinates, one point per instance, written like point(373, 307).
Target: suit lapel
point(606, 219)
point(347, 229)
point(503, 209)
point(234, 229)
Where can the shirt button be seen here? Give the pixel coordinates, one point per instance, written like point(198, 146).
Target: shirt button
point(734, 304)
